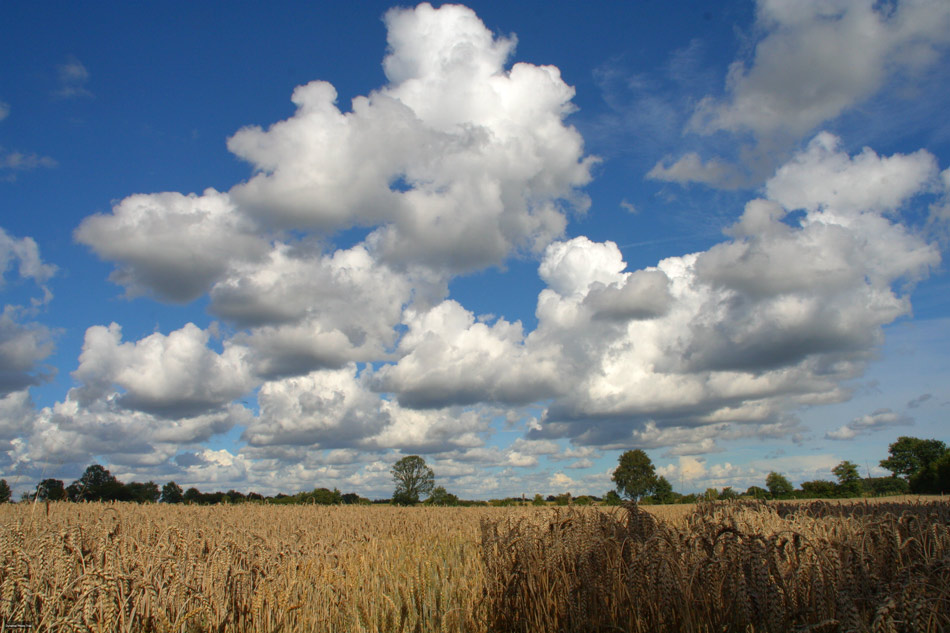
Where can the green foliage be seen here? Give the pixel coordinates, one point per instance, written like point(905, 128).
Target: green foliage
point(5, 491)
point(192, 495)
point(141, 493)
point(612, 498)
point(441, 497)
point(934, 479)
point(538, 500)
point(663, 491)
point(779, 487)
point(756, 492)
point(324, 497)
point(728, 494)
point(910, 455)
point(51, 490)
point(818, 489)
point(849, 480)
point(635, 476)
point(413, 478)
point(171, 493)
point(97, 484)
point(563, 499)
point(883, 486)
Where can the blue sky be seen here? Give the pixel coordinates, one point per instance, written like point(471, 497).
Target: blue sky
point(276, 246)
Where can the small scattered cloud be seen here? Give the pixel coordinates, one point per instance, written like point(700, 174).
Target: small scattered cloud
point(12, 162)
point(628, 206)
point(4, 110)
point(691, 168)
point(919, 400)
point(877, 421)
point(72, 77)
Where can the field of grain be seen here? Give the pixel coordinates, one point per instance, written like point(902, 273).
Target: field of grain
point(722, 567)
point(124, 567)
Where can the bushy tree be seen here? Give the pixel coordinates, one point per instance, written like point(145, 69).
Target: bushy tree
point(5, 491)
point(612, 498)
point(539, 500)
point(171, 493)
point(663, 491)
point(96, 484)
point(756, 492)
point(881, 486)
point(849, 480)
point(934, 478)
point(51, 490)
point(728, 494)
point(326, 497)
point(909, 455)
point(635, 476)
point(442, 497)
point(818, 489)
point(192, 495)
point(779, 487)
point(413, 478)
point(141, 493)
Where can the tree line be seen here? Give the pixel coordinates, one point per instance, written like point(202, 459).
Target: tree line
point(917, 466)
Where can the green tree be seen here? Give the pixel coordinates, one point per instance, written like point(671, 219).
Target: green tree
point(96, 484)
point(192, 495)
point(612, 498)
point(171, 493)
point(882, 486)
point(849, 480)
point(909, 455)
point(325, 497)
point(413, 478)
point(756, 492)
point(538, 500)
point(142, 493)
point(5, 491)
point(51, 490)
point(663, 491)
point(779, 487)
point(728, 494)
point(933, 479)
point(818, 489)
point(635, 476)
point(442, 497)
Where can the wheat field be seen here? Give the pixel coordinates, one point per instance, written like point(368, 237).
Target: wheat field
point(715, 567)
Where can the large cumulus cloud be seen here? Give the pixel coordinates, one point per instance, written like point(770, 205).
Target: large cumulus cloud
point(778, 316)
point(174, 376)
point(457, 161)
